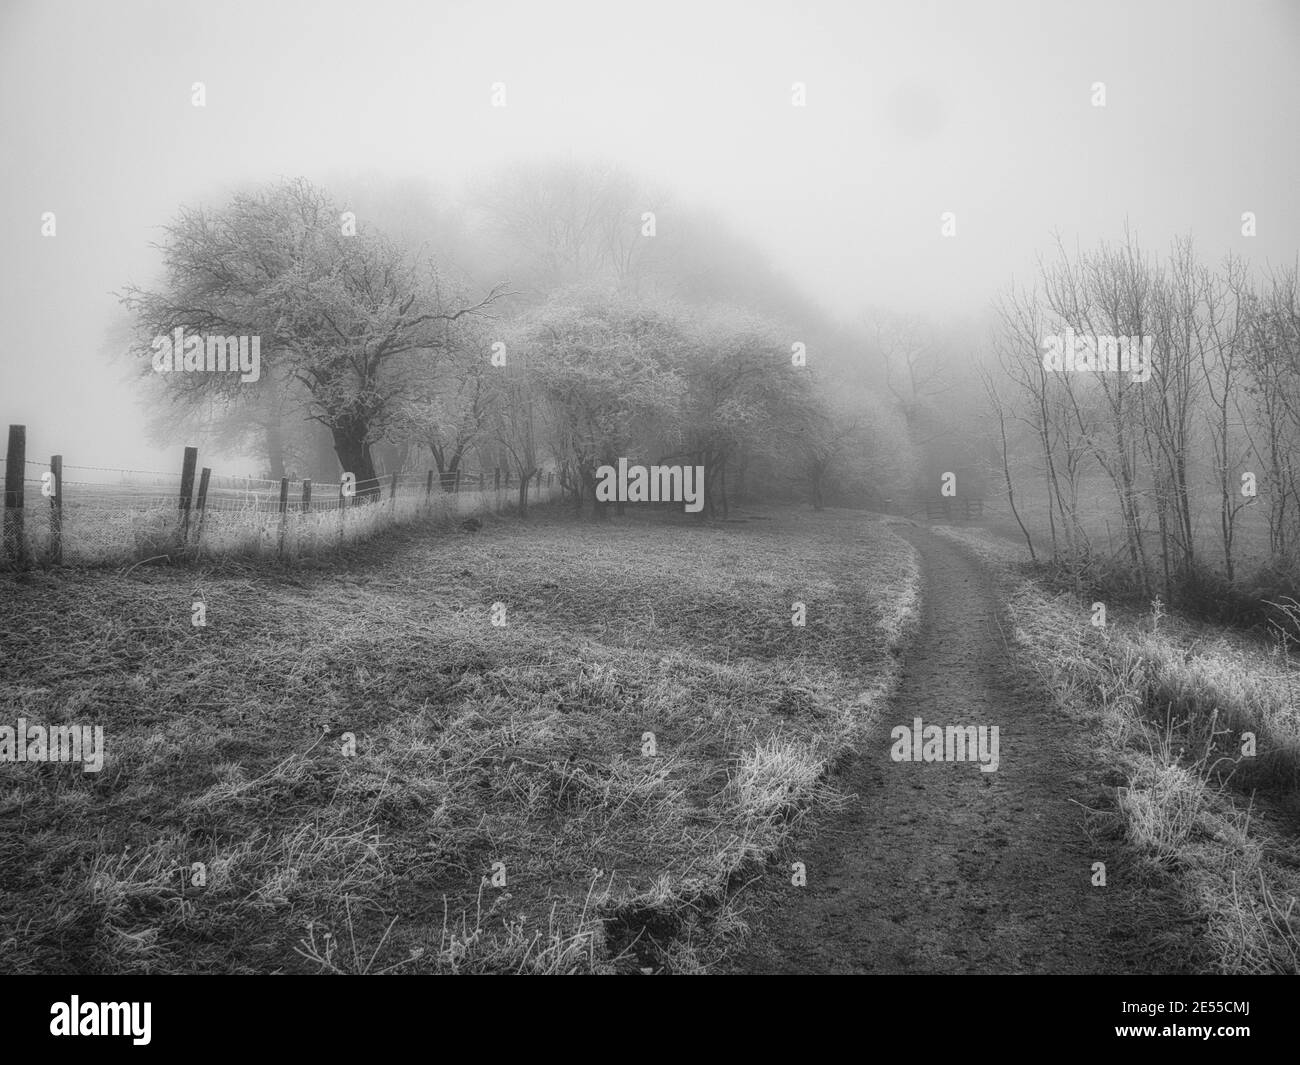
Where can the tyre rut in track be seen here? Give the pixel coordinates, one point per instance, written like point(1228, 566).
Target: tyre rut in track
point(938, 867)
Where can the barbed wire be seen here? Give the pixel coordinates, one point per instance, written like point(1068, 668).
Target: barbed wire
point(111, 469)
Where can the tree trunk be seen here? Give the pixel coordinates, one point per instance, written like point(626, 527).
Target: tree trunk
point(579, 489)
point(324, 463)
point(275, 450)
point(525, 479)
point(599, 510)
point(449, 478)
point(354, 455)
point(1006, 473)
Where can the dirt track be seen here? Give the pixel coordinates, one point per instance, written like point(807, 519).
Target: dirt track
point(941, 868)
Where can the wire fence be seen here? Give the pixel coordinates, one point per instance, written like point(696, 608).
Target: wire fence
point(64, 513)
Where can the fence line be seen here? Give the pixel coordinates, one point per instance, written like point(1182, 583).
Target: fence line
point(196, 512)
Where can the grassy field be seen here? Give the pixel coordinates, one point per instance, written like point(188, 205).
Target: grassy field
point(501, 811)
point(1171, 703)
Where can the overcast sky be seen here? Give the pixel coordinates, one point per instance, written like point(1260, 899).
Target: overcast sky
point(913, 109)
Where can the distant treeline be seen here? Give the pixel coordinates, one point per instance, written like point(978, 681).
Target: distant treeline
point(557, 320)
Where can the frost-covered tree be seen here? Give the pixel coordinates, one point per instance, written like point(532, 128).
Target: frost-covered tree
point(348, 320)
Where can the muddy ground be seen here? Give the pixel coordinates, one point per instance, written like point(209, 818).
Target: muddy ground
point(941, 868)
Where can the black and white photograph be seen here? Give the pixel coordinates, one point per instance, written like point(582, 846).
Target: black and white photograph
point(731, 487)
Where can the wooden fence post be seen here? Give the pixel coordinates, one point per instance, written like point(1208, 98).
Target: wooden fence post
point(202, 503)
point(15, 464)
point(187, 489)
point(284, 514)
point(56, 510)
point(392, 499)
point(343, 509)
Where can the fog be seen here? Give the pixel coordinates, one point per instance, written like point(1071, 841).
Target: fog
point(913, 109)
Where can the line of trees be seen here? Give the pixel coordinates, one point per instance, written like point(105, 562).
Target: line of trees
point(610, 339)
point(1208, 440)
